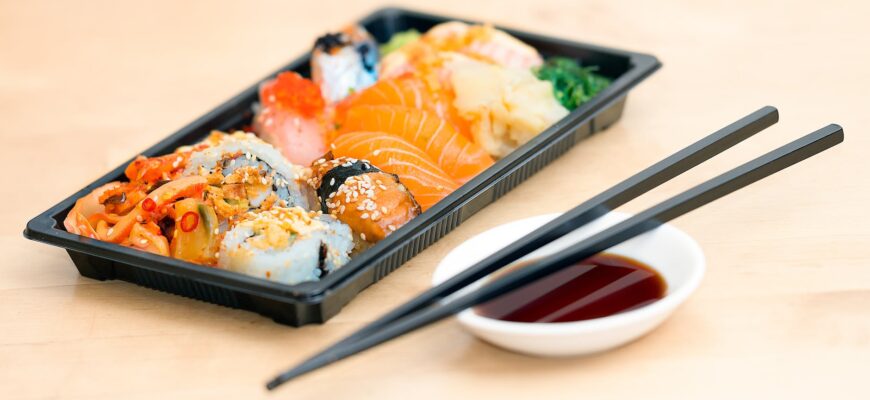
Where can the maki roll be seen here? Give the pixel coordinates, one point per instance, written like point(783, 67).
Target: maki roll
point(244, 173)
point(372, 202)
point(344, 62)
point(287, 245)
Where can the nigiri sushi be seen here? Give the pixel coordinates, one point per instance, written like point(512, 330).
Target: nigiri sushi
point(344, 62)
point(423, 177)
point(291, 117)
point(459, 157)
point(372, 202)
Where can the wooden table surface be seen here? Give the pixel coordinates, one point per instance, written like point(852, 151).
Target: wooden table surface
point(783, 312)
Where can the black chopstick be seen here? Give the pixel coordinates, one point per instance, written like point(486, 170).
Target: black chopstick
point(589, 210)
point(644, 221)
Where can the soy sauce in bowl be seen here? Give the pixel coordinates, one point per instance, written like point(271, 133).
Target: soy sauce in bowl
point(602, 285)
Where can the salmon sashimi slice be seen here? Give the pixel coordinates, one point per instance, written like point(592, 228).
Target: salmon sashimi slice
point(406, 91)
point(459, 157)
point(423, 178)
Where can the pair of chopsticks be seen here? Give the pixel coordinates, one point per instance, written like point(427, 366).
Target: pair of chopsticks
point(429, 307)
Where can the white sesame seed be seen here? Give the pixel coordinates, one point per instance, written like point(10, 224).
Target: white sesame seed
point(384, 210)
point(143, 241)
point(362, 236)
point(109, 232)
point(376, 152)
point(391, 227)
point(332, 182)
point(341, 209)
point(364, 216)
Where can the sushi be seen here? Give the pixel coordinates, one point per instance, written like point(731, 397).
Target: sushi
point(344, 62)
point(405, 91)
point(422, 176)
point(459, 157)
point(287, 245)
point(290, 116)
point(372, 202)
point(339, 160)
point(244, 173)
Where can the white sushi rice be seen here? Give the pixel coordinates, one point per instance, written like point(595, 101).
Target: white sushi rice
point(297, 260)
point(254, 152)
point(343, 73)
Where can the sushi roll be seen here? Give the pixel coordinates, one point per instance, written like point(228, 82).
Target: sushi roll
point(287, 245)
point(344, 62)
point(372, 202)
point(244, 173)
point(290, 116)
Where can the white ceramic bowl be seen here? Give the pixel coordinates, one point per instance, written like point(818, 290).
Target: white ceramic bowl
point(671, 252)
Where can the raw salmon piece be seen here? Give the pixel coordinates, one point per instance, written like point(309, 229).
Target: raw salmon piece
point(406, 91)
point(425, 179)
point(459, 157)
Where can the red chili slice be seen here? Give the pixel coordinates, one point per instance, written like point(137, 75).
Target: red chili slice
point(148, 204)
point(189, 221)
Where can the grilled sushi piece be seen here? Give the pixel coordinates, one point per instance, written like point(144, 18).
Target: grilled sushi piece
point(344, 62)
point(286, 244)
point(244, 173)
point(372, 202)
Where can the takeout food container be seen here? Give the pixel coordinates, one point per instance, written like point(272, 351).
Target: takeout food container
point(311, 302)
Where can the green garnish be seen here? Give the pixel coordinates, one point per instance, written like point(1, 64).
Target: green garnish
point(398, 40)
point(573, 85)
point(204, 217)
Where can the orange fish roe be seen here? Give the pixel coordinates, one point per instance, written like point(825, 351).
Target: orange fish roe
point(291, 92)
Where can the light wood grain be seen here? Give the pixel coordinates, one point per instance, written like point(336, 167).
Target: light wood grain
point(784, 311)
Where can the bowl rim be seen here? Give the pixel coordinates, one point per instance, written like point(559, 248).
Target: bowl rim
point(669, 302)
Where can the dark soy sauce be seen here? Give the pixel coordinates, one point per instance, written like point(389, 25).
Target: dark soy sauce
point(602, 285)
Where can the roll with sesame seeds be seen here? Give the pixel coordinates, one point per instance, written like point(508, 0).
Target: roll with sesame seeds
point(287, 245)
point(245, 173)
point(372, 202)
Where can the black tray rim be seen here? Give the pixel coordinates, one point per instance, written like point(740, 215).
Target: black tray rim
point(43, 228)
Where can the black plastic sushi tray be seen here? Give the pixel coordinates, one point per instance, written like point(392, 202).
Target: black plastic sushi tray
point(312, 302)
